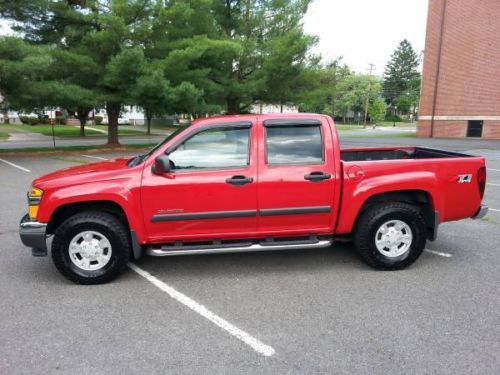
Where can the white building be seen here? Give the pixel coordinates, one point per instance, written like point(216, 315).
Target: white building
point(260, 108)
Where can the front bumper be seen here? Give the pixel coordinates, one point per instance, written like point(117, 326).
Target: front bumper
point(33, 234)
point(483, 210)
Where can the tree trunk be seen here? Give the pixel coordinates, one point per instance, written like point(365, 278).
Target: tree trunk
point(113, 111)
point(281, 106)
point(233, 106)
point(83, 121)
point(5, 116)
point(82, 114)
point(148, 122)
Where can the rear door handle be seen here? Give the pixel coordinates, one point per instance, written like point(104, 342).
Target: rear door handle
point(239, 180)
point(317, 176)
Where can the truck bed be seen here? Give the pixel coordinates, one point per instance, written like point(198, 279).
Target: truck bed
point(409, 168)
point(395, 153)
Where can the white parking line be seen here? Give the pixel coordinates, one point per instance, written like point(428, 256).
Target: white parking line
point(255, 344)
point(446, 255)
point(490, 184)
point(15, 166)
point(493, 169)
point(493, 209)
point(94, 157)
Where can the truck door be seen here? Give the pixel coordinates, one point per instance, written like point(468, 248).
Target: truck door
point(210, 190)
point(296, 177)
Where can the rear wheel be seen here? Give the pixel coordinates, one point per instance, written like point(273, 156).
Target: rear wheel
point(91, 248)
point(390, 236)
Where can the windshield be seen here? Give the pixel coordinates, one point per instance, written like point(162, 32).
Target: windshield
point(140, 158)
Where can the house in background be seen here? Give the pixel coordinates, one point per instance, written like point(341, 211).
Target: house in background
point(460, 94)
point(261, 107)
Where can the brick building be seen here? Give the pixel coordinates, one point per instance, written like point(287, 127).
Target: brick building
point(461, 79)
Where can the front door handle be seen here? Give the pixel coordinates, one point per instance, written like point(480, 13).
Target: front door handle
point(239, 180)
point(317, 176)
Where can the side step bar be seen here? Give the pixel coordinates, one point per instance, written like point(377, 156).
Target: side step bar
point(264, 245)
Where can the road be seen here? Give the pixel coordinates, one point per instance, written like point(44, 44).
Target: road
point(321, 311)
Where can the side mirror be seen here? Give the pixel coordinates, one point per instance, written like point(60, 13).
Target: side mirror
point(161, 165)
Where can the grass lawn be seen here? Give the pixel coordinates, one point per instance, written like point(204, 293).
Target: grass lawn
point(401, 124)
point(62, 150)
point(122, 130)
point(59, 130)
point(10, 128)
point(166, 127)
point(384, 124)
point(64, 130)
point(3, 135)
point(342, 127)
point(385, 135)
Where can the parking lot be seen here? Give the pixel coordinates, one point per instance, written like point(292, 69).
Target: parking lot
point(291, 312)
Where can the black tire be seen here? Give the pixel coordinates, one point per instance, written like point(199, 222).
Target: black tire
point(103, 223)
point(373, 218)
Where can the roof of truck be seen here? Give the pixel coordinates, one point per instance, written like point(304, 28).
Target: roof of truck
point(253, 117)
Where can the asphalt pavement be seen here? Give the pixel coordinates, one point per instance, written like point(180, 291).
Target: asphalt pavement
point(321, 311)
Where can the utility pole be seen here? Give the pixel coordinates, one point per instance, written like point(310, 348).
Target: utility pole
point(368, 89)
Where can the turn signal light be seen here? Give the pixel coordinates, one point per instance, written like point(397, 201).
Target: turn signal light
point(35, 192)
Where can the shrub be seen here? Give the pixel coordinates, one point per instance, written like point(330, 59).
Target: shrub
point(43, 119)
point(24, 119)
point(394, 118)
point(33, 120)
point(98, 120)
point(61, 120)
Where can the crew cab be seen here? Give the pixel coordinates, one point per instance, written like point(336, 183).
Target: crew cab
point(250, 183)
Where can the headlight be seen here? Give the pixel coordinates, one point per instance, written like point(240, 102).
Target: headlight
point(34, 197)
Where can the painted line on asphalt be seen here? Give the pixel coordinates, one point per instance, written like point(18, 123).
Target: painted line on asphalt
point(493, 169)
point(441, 254)
point(490, 184)
point(251, 341)
point(493, 209)
point(94, 157)
point(15, 165)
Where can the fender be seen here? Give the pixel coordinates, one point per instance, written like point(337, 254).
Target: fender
point(117, 191)
point(358, 192)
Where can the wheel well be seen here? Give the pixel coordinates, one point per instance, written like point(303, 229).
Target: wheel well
point(418, 198)
point(65, 211)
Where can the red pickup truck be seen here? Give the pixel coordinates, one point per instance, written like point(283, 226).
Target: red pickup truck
point(250, 183)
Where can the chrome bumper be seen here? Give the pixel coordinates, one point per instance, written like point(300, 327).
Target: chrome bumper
point(483, 210)
point(33, 234)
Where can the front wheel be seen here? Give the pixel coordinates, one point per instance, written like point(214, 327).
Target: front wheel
point(91, 248)
point(390, 236)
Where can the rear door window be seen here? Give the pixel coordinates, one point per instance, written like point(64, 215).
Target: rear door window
point(294, 144)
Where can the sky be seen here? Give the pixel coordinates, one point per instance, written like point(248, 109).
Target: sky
point(361, 31)
point(366, 31)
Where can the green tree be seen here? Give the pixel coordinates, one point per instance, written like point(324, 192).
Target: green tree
point(33, 78)
point(100, 31)
point(157, 97)
point(270, 48)
point(327, 84)
point(402, 78)
point(354, 91)
point(377, 109)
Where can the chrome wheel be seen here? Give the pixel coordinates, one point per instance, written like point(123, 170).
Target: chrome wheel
point(393, 238)
point(90, 250)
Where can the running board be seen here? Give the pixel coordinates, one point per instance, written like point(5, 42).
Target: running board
point(243, 247)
